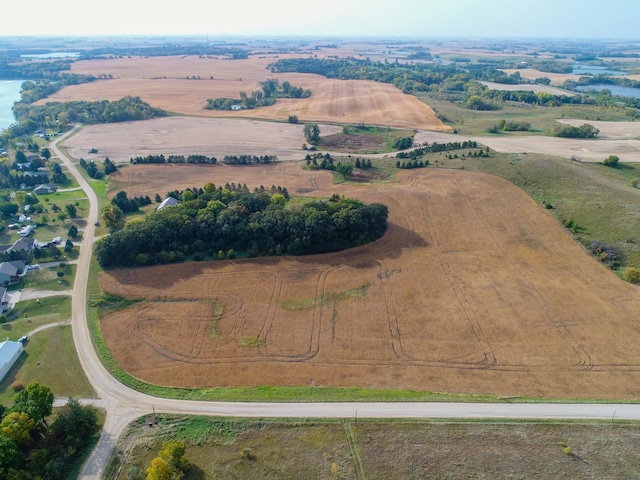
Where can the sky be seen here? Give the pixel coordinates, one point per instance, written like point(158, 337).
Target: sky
point(395, 18)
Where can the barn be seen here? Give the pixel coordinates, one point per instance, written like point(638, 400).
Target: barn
point(9, 353)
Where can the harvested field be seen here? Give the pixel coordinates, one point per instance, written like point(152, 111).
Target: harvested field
point(528, 88)
point(223, 136)
point(474, 288)
point(187, 135)
point(532, 74)
point(616, 138)
point(169, 83)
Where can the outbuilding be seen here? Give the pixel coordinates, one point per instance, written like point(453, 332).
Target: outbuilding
point(9, 353)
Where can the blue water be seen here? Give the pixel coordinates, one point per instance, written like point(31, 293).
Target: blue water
point(53, 55)
point(615, 89)
point(591, 70)
point(9, 93)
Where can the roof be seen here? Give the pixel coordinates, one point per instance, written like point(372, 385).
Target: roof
point(9, 352)
point(8, 349)
point(19, 264)
point(21, 244)
point(7, 269)
point(167, 202)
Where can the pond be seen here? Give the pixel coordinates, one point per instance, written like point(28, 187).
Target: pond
point(595, 70)
point(615, 89)
point(9, 93)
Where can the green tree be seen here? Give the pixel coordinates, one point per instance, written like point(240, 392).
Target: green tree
point(159, 470)
point(17, 427)
point(173, 452)
point(9, 456)
point(36, 400)
point(113, 216)
point(72, 232)
point(311, 132)
point(21, 157)
point(70, 208)
point(611, 161)
point(345, 169)
point(46, 153)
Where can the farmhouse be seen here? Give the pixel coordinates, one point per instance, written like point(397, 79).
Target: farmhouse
point(167, 202)
point(9, 353)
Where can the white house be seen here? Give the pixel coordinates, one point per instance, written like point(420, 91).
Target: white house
point(9, 353)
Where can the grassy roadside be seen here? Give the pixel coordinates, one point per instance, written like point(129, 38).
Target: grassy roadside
point(382, 449)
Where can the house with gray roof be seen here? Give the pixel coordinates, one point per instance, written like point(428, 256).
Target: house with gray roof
point(8, 274)
point(23, 244)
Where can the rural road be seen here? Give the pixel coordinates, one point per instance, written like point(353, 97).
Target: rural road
point(123, 404)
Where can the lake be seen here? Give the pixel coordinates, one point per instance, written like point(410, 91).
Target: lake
point(9, 93)
point(52, 55)
point(591, 70)
point(615, 89)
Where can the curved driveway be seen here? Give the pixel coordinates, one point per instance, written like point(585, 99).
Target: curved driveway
point(124, 404)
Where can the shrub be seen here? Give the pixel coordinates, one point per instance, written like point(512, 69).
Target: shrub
point(17, 387)
point(611, 161)
point(60, 274)
point(631, 274)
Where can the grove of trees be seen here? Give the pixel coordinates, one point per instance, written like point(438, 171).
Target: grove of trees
point(30, 448)
point(232, 218)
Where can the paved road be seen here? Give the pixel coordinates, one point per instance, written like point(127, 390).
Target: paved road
point(124, 404)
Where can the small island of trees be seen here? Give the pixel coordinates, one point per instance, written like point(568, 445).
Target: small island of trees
point(271, 89)
point(233, 219)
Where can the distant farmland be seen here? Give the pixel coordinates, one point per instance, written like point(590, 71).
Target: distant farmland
point(474, 288)
point(169, 83)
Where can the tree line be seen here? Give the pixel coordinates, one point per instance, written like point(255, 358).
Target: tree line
point(236, 220)
point(249, 159)
point(436, 148)
point(193, 159)
point(31, 448)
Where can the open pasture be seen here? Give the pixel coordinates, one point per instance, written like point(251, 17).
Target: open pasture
point(474, 288)
point(182, 85)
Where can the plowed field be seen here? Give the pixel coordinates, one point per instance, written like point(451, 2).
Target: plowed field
point(474, 288)
point(169, 83)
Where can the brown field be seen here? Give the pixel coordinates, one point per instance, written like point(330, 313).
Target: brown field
point(532, 74)
point(188, 135)
point(222, 136)
point(163, 83)
point(474, 288)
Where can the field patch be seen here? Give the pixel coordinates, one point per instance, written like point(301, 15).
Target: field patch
point(182, 84)
point(474, 288)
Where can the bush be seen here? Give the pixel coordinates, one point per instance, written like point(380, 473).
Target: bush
point(17, 387)
point(611, 161)
point(631, 274)
point(60, 274)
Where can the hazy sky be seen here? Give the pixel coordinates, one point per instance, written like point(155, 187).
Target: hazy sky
point(427, 18)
